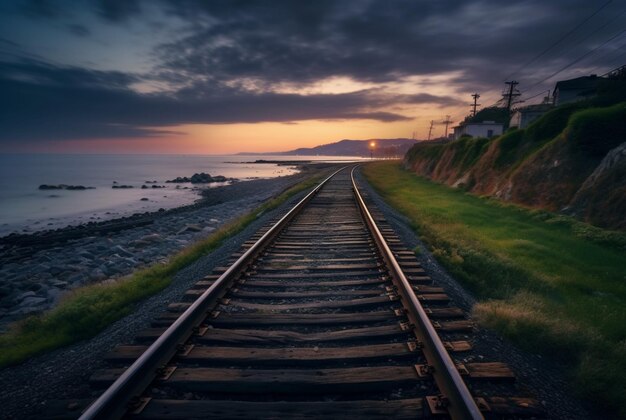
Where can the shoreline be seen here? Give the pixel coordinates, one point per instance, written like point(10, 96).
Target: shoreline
point(103, 187)
point(27, 398)
point(37, 269)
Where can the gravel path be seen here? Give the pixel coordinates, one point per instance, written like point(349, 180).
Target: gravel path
point(65, 372)
point(544, 380)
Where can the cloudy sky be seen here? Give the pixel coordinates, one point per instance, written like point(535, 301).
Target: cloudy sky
point(221, 76)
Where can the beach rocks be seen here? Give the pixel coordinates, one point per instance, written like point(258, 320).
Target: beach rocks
point(122, 187)
point(120, 250)
point(65, 187)
point(201, 178)
point(34, 278)
point(190, 228)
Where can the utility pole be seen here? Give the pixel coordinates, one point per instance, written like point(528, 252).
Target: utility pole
point(512, 93)
point(475, 105)
point(430, 130)
point(447, 123)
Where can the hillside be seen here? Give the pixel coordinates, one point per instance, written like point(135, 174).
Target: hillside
point(382, 148)
point(571, 160)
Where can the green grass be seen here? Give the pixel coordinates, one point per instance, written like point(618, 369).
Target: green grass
point(88, 310)
point(595, 131)
point(468, 151)
point(548, 282)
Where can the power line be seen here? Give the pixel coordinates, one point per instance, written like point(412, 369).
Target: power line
point(582, 57)
point(559, 40)
point(540, 93)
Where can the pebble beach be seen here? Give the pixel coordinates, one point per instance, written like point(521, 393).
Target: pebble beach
point(37, 272)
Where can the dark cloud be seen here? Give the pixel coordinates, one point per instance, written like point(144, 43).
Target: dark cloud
point(376, 41)
point(78, 30)
point(41, 9)
point(426, 98)
point(118, 10)
point(39, 73)
point(42, 102)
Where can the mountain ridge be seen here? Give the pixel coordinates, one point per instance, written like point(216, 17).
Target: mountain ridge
point(349, 147)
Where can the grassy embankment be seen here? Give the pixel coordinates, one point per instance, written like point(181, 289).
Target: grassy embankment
point(545, 165)
point(88, 310)
point(548, 282)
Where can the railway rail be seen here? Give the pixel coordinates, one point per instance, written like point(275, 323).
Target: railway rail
point(322, 314)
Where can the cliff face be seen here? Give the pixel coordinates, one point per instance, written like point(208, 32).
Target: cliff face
point(572, 160)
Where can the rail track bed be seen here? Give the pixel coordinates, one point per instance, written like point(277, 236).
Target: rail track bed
point(314, 317)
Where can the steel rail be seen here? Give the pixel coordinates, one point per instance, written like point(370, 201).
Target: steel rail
point(114, 402)
point(460, 403)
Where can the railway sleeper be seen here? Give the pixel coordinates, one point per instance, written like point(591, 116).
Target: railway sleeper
point(303, 381)
point(251, 336)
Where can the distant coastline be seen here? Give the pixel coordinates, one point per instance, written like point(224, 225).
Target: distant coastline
point(347, 147)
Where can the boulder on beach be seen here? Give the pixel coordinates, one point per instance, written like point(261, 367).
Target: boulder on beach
point(122, 186)
point(64, 187)
point(201, 178)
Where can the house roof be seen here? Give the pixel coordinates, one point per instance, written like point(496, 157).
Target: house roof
point(464, 124)
point(535, 108)
point(579, 83)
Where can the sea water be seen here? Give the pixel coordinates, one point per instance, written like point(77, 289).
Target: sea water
point(24, 208)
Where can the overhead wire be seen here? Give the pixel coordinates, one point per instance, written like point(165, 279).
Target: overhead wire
point(589, 35)
point(542, 53)
point(575, 61)
point(578, 59)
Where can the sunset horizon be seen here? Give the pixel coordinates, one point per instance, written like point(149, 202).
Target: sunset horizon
point(193, 78)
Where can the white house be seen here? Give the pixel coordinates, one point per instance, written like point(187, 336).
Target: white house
point(522, 117)
point(478, 129)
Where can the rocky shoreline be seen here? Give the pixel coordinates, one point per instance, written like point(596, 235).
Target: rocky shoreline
point(36, 270)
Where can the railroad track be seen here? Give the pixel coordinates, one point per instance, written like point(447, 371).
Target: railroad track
point(322, 314)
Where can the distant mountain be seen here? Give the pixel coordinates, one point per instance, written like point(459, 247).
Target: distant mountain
point(382, 148)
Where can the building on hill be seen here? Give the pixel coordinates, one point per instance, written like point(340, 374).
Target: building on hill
point(576, 89)
point(478, 129)
point(522, 117)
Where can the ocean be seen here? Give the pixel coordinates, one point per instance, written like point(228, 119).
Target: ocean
point(24, 208)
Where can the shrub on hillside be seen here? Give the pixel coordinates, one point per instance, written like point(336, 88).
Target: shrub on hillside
point(595, 131)
point(467, 151)
point(510, 144)
point(553, 122)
